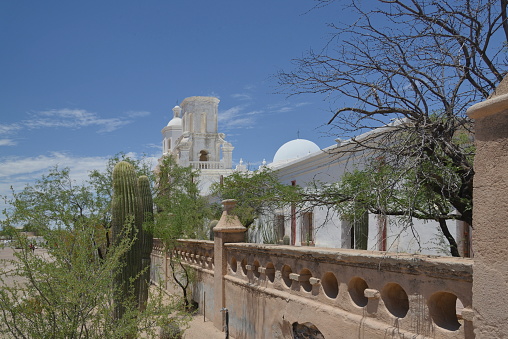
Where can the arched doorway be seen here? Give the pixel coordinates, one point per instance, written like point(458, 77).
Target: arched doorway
point(203, 156)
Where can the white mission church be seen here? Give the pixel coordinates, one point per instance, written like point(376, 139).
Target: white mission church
point(193, 138)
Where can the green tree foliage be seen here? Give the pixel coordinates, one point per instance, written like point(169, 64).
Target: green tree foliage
point(65, 290)
point(422, 64)
point(381, 189)
point(181, 213)
point(257, 193)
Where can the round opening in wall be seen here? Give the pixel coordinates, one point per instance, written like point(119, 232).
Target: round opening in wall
point(395, 299)
point(330, 285)
point(356, 289)
point(285, 272)
point(443, 310)
point(305, 275)
point(233, 264)
point(244, 266)
point(270, 272)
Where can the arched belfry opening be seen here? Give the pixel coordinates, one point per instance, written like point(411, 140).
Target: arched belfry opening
point(203, 155)
point(193, 134)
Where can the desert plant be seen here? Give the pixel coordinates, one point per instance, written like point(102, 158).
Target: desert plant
point(126, 223)
point(146, 237)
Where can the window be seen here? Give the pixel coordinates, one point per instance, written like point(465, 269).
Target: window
point(307, 230)
point(355, 232)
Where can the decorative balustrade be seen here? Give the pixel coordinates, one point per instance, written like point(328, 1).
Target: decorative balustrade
point(375, 291)
point(422, 295)
point(195, 253)
point(205, 165)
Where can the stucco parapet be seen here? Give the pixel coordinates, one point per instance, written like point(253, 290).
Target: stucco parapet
point(208, 244)
point(334, 312)
point(433, 266)
point(488, 107)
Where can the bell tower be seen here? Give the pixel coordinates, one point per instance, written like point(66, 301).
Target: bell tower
point(200, 144)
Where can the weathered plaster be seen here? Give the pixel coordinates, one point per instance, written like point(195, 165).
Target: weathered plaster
point(490, 212)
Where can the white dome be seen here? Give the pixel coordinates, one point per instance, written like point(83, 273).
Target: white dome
point(294, 149)
point(177, 122)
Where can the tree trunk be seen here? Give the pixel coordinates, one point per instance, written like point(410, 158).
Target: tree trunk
point(454, 250)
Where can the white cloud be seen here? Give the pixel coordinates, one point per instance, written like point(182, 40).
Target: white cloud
point(254, 113)
point(237, 117)
point(230, 113)
point(73, 118)
point(9, 129)
point(284, 107)
point(137, 114)
point(13, 168)
point(7, 142)
point(158, 147)
point(242, 96)
point(69, 118)
point(18, 171)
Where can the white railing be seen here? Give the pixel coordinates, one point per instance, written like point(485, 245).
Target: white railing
point(205, 165)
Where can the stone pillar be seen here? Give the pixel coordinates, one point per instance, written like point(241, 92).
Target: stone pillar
point(490, 215)
point(227, 155)
point(229, 229)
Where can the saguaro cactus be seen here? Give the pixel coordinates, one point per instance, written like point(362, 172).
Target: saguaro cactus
point(146, 236)
point(126, 209)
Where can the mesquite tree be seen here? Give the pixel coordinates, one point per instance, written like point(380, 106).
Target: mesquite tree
point(419, 64)
point(64, 289)
point(181, 213)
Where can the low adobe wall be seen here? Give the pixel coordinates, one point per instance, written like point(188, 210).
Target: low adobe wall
point(268, 289)
point(490, 212)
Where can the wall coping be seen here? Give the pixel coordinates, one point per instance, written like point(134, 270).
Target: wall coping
point(195, 241)
point(488, 107)
point(433, 266)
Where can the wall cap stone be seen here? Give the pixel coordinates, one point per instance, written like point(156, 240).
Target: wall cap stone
point(432, 266)
point(314, 281)
point(371, 293)
point(488, 107)
point(467, 314)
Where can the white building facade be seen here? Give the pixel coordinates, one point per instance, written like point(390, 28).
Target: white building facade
point(301, 162)
point(192, 137)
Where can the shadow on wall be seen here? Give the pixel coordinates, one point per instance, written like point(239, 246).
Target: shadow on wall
point(306, 331)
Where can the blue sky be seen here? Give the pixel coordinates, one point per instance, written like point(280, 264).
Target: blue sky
point(82, 81)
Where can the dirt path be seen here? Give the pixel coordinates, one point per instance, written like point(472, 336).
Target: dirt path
point(199, 329)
